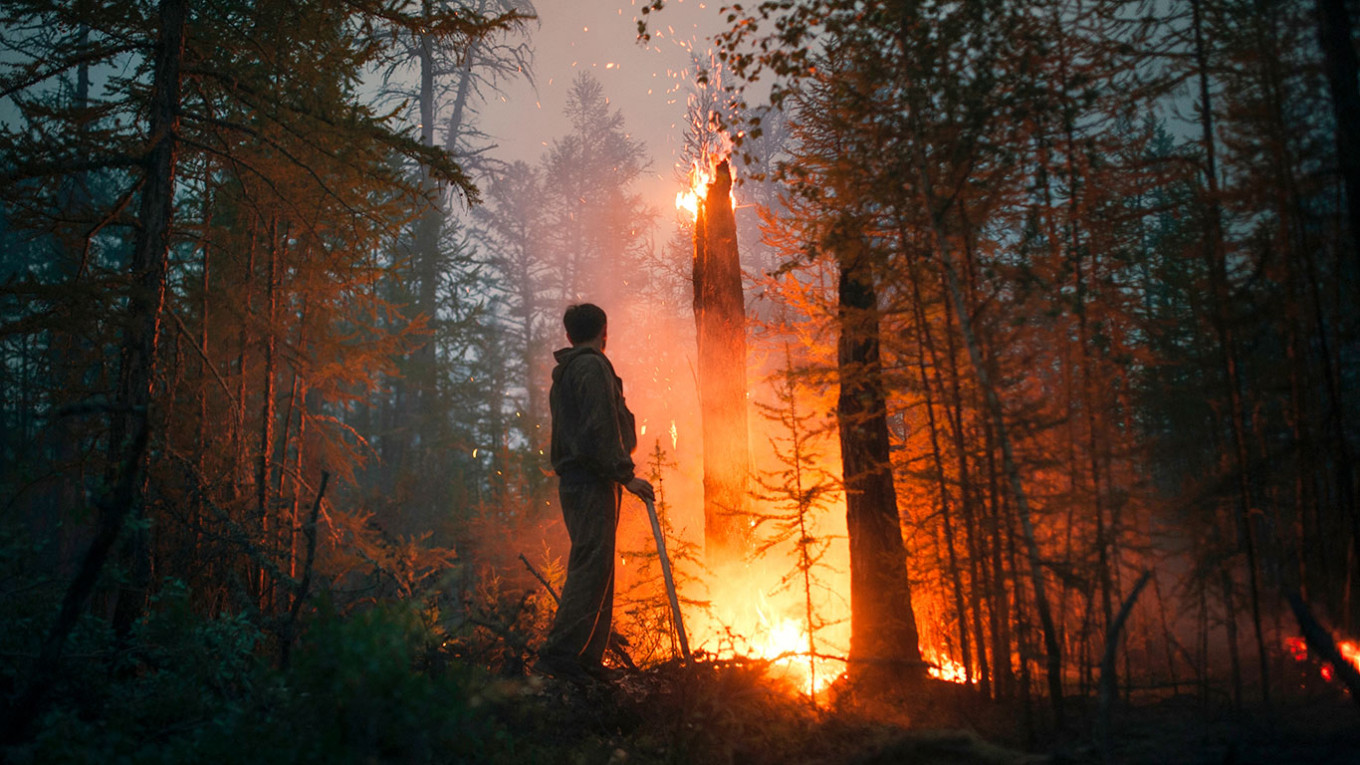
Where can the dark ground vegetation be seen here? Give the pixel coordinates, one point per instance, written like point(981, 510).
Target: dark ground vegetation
point(398, 683)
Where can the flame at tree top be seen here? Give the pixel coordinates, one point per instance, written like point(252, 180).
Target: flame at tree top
point(700, 178)
point(702, 172)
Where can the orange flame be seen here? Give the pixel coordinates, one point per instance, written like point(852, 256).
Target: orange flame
point(701, 175)
point(785, 645)
point(750, 627)
point(700, 178)
point(944, 668)
point(1349, 650)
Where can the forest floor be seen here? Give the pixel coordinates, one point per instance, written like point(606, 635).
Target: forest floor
point(732, 713)
point(378, 686)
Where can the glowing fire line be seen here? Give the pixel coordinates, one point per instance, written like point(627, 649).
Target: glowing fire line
point(783, 642)
point(944, 668)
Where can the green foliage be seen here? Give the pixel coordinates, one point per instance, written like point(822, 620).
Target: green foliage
point(365, 687)
point(501, 622)
point(356, 685)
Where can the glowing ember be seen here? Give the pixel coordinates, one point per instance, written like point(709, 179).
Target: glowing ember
point(1297, 648)
point(1349, 650)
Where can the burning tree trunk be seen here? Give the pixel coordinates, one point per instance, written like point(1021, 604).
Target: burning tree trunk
point(720, 316)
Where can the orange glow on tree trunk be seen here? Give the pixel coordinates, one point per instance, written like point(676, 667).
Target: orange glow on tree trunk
point(720, 316)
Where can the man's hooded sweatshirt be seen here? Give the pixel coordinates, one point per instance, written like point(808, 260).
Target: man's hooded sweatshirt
point(593, 432)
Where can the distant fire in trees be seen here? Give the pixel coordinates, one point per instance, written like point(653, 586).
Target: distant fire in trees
point(1349, 649)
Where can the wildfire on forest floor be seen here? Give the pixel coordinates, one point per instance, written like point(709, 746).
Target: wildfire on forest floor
point(759, 630)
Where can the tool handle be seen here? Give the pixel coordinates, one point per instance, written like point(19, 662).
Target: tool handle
point(670, 580)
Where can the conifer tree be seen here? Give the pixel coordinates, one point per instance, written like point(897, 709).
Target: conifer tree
point(796, 492)
point(595, 218)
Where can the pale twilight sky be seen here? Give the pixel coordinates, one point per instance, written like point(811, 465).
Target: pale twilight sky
point(647, 83)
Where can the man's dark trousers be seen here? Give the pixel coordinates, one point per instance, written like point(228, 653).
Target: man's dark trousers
point(590, 508)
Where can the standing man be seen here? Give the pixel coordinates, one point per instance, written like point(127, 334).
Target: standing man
point(593, 436)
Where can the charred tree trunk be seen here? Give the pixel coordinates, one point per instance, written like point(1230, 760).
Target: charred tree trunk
point(1343, 70)
point(965, 479)
point(1051, 645)
point(1108, 681)
point(720, 316)
point(201, 438)
point(999, 613)
point(265, 462)
point(242, 470)
point(148, 268)
point(419, 391)
point(1230, 624)
point(882, 623)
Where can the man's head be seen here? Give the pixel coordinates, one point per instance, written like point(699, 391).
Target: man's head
point(584, 323)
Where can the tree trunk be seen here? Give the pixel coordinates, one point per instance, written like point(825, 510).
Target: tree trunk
point(1343, 70)
point(265, 460)
point(883, 631)
point(148, 267)
point(1054, 650)
point(999, 613)
point(417, 413)
point(965, 478)
point(720, 316)
point(1230, 623)
point(1108, 682)
point(925, 344)
point(993, 404)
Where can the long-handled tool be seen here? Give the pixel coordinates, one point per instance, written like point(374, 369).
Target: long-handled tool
point(670, 580)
